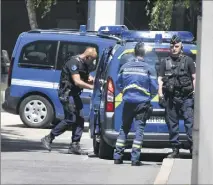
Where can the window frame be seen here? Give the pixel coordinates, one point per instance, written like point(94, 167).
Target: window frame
point(38, 66)
point(86, 44)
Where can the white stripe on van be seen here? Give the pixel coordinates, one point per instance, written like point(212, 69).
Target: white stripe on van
point(34, 83)
point(41, 84)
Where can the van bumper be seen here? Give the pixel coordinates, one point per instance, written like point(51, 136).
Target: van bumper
point(10, 103)
point(151, 140)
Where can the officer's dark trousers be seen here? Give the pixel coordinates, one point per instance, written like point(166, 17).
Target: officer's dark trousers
point(175, 111)
point(72, 119)
point(131, 111)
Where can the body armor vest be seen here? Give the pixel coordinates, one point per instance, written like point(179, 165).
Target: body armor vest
point(67, 85)
point(177, 79)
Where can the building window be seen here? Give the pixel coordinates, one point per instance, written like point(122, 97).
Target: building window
point(69, 49)
point(38, 54)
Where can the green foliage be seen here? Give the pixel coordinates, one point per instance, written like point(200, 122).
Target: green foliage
point(161, 13)
point(44, 5)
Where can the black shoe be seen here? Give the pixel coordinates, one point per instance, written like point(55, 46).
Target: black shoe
point(118, 161)
point(76, 149)
point(174, 154)
point(46, 142)
point(136, 163)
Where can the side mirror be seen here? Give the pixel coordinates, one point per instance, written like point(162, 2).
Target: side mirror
point(5, 62)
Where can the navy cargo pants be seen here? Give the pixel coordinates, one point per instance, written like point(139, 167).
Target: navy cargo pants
point(131, 111)
point(174, 110)
point(73, 118)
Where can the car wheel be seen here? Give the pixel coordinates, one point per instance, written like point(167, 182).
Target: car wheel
point(105, 151)
point(36, 112)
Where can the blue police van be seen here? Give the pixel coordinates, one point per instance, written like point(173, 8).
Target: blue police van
point(35, 69)
point(106, 102)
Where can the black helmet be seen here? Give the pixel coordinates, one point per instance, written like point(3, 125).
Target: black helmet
point(139, 49)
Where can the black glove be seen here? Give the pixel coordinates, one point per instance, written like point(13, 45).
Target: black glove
point(162, 102)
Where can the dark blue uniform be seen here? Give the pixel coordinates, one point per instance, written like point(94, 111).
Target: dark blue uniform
point(69, 95)
point(72, 106)
point(179, 101)
point(138, 85)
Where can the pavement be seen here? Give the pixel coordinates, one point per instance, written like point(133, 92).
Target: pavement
point(175, 171)
point(24, 161)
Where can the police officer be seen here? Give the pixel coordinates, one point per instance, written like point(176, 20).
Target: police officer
point(74, 77)
point(176, 89)
point(137, 85)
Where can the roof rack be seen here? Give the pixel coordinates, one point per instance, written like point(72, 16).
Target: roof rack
point(109, 37)
point(67, 31)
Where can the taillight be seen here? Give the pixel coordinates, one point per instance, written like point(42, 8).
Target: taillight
point(10, 72)
point(110, 97)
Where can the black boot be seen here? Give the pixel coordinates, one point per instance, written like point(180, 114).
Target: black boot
point(136, 163)
point(46, 142)
point(118, 161)
point(174, 154)
point(75, 148)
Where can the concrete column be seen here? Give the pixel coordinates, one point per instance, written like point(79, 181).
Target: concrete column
point(195, 130)
point(104, 12)
point(204, 167)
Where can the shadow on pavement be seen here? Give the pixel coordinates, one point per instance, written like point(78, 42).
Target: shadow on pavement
point(24, 126)
point(20, 145)
point(150, 157)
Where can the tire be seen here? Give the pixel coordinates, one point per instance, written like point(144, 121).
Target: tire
point(105, 151)
point(44, 115)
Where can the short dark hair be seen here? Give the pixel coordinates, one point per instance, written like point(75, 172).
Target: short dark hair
point(139, 49)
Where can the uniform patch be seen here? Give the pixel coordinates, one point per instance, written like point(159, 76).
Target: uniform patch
point(74, 67)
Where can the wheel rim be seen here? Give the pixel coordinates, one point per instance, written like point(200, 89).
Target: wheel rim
point(35, 111)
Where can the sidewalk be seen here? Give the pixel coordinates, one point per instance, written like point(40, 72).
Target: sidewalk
point(175, 171)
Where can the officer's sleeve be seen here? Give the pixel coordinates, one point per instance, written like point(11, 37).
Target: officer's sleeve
point(72, 66)
point(119, 82)
point(153, 83)
point(191, 65)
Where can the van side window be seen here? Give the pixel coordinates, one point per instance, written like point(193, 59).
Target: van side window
point(38, 54)
point(69, 49)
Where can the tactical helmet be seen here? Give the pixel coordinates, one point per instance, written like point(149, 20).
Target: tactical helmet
point(175, 39)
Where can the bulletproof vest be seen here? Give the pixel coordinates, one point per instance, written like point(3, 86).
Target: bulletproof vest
point(177, 76)
point(67, 85)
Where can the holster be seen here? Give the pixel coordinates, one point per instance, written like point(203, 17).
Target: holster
point(64, 96)
point(148, 112)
